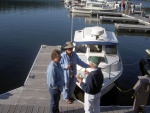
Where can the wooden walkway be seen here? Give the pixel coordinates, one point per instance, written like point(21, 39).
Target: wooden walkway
point(116, 14)
point(34, 97)
point(35, 90)
point(118, 19)
point(129, 27)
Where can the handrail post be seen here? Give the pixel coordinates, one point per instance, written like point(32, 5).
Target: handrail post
point(109, 71)
point(118, 64)
point(142, 89)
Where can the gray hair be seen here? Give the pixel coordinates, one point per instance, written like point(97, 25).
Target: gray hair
point(95, 65)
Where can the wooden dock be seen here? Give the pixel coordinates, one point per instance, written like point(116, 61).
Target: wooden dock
point(141, 19)
point(132, 27)
point(35, 90)
point(118, 19)
point(34, 97)
point(116, 14)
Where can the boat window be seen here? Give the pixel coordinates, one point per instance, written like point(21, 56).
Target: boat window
point(111, 49)
point(95, 48)
point(80, 48)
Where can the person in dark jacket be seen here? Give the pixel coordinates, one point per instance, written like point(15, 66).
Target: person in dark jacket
point(92, 86)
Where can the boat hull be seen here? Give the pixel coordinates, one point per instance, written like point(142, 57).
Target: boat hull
point(89, 11)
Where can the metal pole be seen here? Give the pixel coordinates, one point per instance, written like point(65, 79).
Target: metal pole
point(71, 26)
point(140, 6)
point(109, 71)
point(97, 19)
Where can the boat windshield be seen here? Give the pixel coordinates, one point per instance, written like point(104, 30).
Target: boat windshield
point(96, 48)
point(80, 48)
point(111, 49)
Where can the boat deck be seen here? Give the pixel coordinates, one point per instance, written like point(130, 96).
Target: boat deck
point(34, 97)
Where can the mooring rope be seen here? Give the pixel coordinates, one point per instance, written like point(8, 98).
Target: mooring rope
point(125, 91)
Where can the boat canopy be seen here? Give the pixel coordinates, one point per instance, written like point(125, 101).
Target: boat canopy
point(95, 35)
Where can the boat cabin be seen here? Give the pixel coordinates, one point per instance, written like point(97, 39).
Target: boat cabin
point(95, 41)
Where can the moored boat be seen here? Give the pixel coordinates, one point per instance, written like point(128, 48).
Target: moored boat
point(93, 6)
point(97, 41)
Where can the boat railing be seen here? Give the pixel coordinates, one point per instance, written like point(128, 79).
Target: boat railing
point(110, 67)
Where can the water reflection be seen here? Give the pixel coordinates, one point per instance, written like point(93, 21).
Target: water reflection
point(7, 5)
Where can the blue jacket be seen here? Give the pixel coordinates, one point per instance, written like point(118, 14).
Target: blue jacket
point(55, 77)
point(65, 60)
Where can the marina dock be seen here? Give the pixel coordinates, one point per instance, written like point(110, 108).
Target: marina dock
point(34, 97)
point(118, 19)
point(129, 27)
point(116, 14)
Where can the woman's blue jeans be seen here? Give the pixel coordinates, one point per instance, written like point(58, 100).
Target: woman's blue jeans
point(54, 100)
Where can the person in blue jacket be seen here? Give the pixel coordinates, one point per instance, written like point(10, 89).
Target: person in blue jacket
point(55, 81)
point(69, 60)
point(92, 86)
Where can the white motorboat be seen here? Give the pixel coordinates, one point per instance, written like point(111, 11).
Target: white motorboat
point(96, 41)
point(93, 6)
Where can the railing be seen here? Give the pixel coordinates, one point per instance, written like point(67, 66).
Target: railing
point(110, 66)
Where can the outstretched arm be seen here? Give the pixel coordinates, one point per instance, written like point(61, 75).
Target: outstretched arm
point(81, 63)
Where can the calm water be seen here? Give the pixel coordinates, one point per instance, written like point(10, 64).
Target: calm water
point(27, 24)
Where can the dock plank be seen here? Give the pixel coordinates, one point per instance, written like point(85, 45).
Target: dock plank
point(115, 109)
point(129, 27)
point(1, 108)
point(18, 109)
point(121, 109)
point(109, 109)
point(46, 109)
point(80, 110)
point(76, 110)
point(29, 109)
point(64, 109)
point(12, 109)
point(6, 109)
point(103, 110)
point(107, 13)
point(41, 109)
point(35, 109)
point(23, 109)
point(118, 19)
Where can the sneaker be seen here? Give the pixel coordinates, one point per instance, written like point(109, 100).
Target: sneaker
point(68, 101)
point(71, 98)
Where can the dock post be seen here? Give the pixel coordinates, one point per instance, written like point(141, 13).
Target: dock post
point(140, 6)
point(133, 7)
point(142, 13)
point(142, 89)
point(132, 11)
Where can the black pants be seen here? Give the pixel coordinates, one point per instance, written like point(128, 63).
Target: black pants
point(54, 100)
